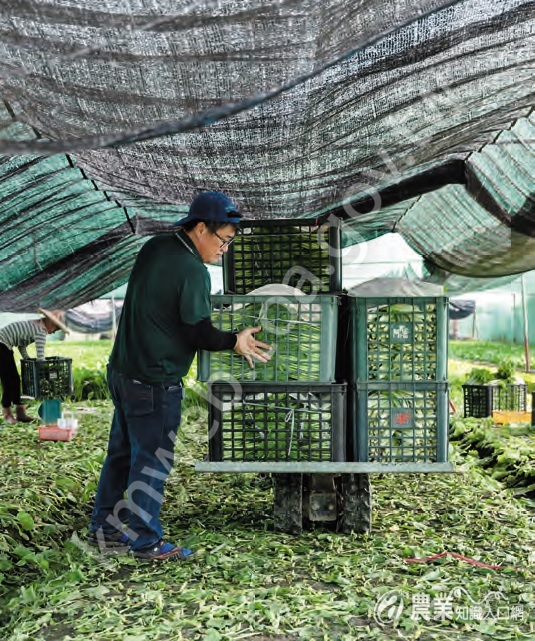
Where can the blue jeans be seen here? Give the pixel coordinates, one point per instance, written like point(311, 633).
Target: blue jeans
point(139, 459)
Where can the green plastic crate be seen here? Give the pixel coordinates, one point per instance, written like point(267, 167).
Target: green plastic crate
point(481, 400)
point(51, 378)
point(277, 422)
point(400, 422)
point(302, 331)
point(298, 253)
point(398, 339)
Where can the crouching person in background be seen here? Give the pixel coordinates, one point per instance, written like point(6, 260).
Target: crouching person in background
point(21, 334)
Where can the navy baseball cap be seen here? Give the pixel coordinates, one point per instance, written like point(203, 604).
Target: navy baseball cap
point(212, 206)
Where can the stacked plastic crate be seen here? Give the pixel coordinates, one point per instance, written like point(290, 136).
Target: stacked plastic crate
point(47, 379)
point(288, 409)
point(51, 381)
point(483, 400)
point(398, 372)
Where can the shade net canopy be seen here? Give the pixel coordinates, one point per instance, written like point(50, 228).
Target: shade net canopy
point(394, 115)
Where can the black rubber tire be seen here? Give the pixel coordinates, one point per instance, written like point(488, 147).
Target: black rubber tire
point(355, 514)
point(288, 503)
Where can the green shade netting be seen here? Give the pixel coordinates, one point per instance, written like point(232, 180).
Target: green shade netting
point(116, 113)
point(483, 228)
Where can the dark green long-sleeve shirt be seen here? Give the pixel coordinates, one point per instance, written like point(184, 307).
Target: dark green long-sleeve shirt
point(168, 294)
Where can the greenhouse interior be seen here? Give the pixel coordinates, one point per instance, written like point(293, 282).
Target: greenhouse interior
point(371, 476)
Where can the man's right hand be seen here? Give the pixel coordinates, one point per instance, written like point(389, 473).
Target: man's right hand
point(250, 348)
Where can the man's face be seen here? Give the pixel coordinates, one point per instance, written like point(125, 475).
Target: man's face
point(211, 246)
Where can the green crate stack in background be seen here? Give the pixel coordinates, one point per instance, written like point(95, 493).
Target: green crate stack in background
point(398, 338)
point(289, 409)
point(480, 401)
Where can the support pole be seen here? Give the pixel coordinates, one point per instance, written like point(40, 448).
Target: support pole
point(525, 316)
point(514, 318)
point(113, 318)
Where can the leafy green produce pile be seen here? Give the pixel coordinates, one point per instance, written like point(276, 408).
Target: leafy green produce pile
point(388, 357)
point(508, 452)
point(491, 352)
point(292, 327)
point(251, 583)
point(89, 384)
point(505, 374)
point(480, 376)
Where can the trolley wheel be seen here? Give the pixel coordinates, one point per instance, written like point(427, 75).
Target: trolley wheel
point(288, 503)
point(356, 509)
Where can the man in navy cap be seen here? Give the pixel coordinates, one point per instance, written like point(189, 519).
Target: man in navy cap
point(165, 320)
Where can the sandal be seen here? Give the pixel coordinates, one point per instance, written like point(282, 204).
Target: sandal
point(163, 551)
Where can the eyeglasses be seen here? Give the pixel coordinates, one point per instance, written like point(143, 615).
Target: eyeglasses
point(224, 243)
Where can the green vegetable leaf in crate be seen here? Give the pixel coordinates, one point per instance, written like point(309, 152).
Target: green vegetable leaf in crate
point(277, 422)
point(401, 422)
point(301, 254)
point(397, 337)
point(300, 329)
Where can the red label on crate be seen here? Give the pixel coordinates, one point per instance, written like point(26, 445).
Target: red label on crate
point(402, 417)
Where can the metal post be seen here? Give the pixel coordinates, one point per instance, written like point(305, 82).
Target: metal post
point(473, 326)
point(525, 316)
point(514, 318)
point(442, 338)
point(113, 318)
